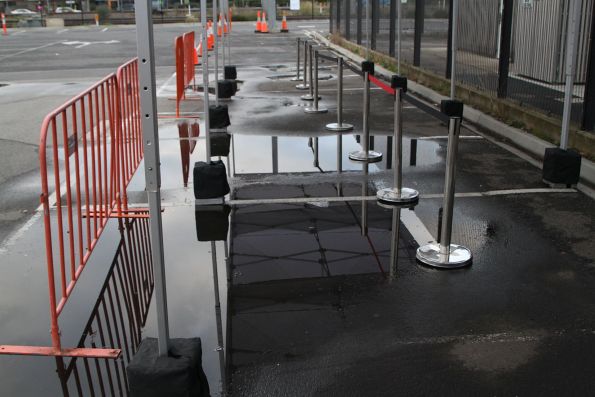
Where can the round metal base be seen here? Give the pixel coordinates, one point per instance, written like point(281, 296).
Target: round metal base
point(308, 97)
point(365, 157)
point(430, 255)
point(303, 86)
point(339, 127)
point(406, 198)
point(312, 110)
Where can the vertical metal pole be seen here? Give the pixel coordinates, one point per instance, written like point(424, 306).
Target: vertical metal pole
point(339, 125)
point(418, 31)
point(505, 44)
point(391, 27)
point(315, 80)
point(222, 16)
point(453, 65)
point(315, 148)
point(399, 19)
point(394, 244)
point(347, 19)
point(366, 115)
point(310, 70)
point(571, 48)
point(148, 104)
point(398, 143)
point(589, 99)
point(205, 78)
point(449, 43)
point(454, 129)
point(368, 27)
point(216, 50)
point(375, 22)
point(220, 347)
point(359, 21)
point(340, 92)
point(297, 64)
point(275, 154)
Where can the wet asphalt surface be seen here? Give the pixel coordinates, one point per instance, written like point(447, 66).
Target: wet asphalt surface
point(307, 303)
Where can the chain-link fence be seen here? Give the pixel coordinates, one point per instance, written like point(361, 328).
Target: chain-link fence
point(511, 49)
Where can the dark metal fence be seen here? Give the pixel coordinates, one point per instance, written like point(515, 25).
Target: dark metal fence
point(512, 49)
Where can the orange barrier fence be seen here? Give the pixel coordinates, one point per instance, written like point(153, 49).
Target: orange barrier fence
point(89, 149)
point(185, 68)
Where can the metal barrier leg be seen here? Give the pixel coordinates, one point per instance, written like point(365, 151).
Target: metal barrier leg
point(398, 195)
point(366, 155)
point(315, 109)
point(446, 255)
point(297, 64)
point(304, 85)
point(339, 125)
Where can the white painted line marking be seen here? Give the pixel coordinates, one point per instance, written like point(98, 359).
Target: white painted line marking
point(62, 31)
point(12, 239)
point(306, 27)
point(428, 138)
point(416, 227)
point(164, 85)
point(29, 50)
point(104, 30)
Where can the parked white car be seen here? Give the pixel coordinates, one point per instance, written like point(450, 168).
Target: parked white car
point(66, 10)
point(22, 11)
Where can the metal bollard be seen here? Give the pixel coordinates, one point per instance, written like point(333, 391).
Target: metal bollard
point(398, 195)
point(304, 85)
point(444, 254)
point(366, 155)
point(315, 109)
point(310, 95)
point(297, 64)
point(339, 125)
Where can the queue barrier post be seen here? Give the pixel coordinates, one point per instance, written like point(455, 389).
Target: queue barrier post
point(445, 255)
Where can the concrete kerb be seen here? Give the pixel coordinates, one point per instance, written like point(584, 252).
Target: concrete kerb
point(527, 143)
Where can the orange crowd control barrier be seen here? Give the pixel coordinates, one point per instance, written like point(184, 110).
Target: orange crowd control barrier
point(186, 56)
point(90, 175)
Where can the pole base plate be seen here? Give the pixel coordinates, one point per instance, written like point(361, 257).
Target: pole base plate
point(312, 110)
point(365, 157)
point(309, 97)
point(391, 197)
point(339, 127)
point(303, 86)
point(457, 257)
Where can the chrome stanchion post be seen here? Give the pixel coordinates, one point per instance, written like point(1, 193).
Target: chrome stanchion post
point(314, 82)
point(310, 96)
point(366, 155)
point(398, 195)
point(304, 85)
point(297, 64)
point(446, 255)
point(339, 125)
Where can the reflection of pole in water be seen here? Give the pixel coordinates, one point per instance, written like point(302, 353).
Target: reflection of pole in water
point(220, 349)
point(364, 201)
point(394, 244)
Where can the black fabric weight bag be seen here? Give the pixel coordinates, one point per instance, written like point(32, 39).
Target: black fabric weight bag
point(230, 73)
point(220, 143)
point(212, 222)
point(210, 180)
point(218, 116)
point(226, 89)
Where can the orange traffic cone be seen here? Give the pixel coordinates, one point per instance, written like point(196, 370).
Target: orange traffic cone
point(264, 27)
point(258, 27)
point(225, 27)
point(284, 24)
point(219, 28)
point(230, 18)
point(210, 37)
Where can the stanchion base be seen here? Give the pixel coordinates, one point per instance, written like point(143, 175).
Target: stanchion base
point(309, 97)
point(430, 255)
point(365, 157)
point(303, 86)
point(390, 197)
point(312, 110)
point(339, 127)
